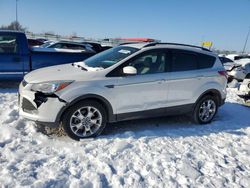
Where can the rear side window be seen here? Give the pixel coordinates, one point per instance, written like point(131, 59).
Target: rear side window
point(74, 47)
point(8, 44)
point(184, 61)
point(205, 61)
point(58, 45)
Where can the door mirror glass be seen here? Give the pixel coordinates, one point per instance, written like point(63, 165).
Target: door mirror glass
point(129, 70)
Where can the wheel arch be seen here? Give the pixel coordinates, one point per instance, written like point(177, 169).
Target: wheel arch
point(104, 102)
point(214, 93)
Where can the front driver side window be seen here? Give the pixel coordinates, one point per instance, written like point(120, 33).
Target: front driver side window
point(149, 63)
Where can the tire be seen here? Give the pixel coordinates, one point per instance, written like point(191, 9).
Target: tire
point(86, 119)
point(204, 114)
point(230, 79)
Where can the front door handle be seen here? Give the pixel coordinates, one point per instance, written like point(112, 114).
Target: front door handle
point(109, 86)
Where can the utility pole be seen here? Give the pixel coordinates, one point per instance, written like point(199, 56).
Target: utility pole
point(245, 45)
point(16, 16)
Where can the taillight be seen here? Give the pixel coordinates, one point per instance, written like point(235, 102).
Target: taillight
point(223, 73)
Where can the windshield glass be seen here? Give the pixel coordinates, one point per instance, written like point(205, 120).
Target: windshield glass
point(46, 44)
point(109, 57)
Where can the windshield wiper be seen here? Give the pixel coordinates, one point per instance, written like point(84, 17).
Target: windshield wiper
point(83, 68)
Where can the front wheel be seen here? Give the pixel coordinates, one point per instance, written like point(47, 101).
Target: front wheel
point(205, 110)
point(84, 120)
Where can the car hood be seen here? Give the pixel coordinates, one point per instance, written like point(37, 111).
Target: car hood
point(60, 72)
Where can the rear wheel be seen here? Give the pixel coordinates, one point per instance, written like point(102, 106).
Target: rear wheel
point(205, 110)
point(84, 120)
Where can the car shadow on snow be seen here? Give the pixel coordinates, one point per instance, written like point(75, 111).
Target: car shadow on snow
point(230, 118)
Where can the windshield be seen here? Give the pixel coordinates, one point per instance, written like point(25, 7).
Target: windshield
point(46, 44)
point(109, 57)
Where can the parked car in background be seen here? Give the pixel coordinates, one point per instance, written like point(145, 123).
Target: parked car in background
point(239, 57)
point(94, 45)
point(225, 60)
point(239, 70)
point(125, 82)
point(17, 58)
point(34, 42)
point(71, 45)
point(244, 90)
point(47, 43)
point(228, 65)
point(42, 40)
point(106, 47)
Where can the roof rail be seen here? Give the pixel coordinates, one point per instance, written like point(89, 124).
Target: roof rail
point(177, 44)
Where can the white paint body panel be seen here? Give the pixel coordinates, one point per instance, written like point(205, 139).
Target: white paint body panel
point(128, 93)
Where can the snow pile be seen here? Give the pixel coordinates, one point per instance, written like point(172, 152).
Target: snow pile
point(162, 152)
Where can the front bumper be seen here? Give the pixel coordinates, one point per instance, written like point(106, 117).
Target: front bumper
point(39, 108)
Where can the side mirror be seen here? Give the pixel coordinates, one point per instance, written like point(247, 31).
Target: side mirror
point(129, 70)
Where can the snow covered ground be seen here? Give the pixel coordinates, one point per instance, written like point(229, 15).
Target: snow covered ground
point(162, 152)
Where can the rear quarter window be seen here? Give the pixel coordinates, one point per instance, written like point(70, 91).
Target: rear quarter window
point(184, 61)
point(205, 61)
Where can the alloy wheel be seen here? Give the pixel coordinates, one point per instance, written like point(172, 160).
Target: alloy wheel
point(207, 110)
point(85, 121)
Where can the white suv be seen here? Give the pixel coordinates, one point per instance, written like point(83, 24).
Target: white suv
point(126, 82)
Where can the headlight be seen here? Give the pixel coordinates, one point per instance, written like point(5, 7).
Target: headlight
point(50, 87)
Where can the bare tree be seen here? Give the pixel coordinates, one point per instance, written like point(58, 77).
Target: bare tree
point(14, 26)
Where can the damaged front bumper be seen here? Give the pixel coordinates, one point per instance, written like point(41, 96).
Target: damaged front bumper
point(39, 107)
